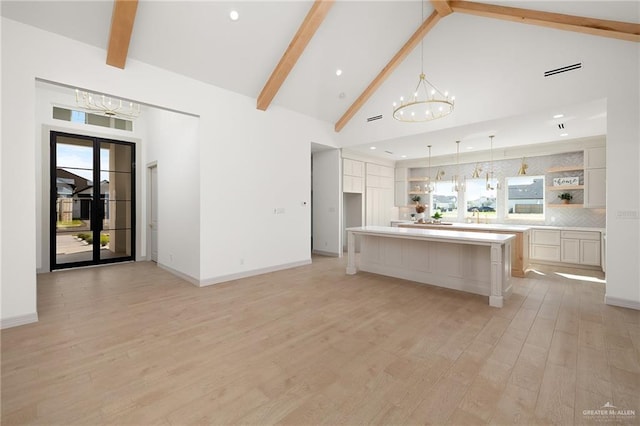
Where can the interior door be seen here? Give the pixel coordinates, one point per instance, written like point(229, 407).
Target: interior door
point(92, 201)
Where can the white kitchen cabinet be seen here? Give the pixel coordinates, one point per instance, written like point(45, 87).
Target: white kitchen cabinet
point(545, 245)
point(595, 185)
point(595, 158)
point(379, 199)
point(595, 178)
point(570, 250)
point(401, 187)
point(581, 247)
point(352, 184)
point(590, 252)
point(352, 176)
point(352, 167)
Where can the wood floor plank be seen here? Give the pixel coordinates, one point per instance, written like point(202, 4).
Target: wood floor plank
point(133, 344)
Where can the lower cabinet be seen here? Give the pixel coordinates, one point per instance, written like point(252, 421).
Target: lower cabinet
point(545, 245)
point(575, 247)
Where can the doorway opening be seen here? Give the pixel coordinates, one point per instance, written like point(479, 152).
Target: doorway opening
point(92, 201)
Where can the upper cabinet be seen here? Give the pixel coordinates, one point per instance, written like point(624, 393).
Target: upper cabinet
point(595, 177)
point(595, 158)
point(352, 176)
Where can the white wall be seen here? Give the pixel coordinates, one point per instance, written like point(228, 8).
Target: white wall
point(327, 194)
point(249, 161)
point(172, 144)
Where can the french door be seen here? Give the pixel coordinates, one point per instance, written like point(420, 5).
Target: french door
point(92, 201)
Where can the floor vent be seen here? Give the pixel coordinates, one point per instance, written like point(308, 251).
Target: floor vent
point(374, 118)
point(563, 69)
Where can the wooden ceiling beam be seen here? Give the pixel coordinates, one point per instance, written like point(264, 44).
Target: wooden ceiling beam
point(307, 29)
point(122, 19)
point(413, 41)
point(442, 6)
point(600, 27)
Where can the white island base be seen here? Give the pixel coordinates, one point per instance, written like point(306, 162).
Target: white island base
point(466, 261)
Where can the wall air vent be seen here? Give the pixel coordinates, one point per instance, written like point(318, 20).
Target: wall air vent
point(374, 118)
point(563, 69)
point(561, 126)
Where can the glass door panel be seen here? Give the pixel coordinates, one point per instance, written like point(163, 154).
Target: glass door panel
point(73, 200)
point(116, 194)
point(92, 193)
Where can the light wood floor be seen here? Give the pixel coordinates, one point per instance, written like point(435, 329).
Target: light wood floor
point(132, 344)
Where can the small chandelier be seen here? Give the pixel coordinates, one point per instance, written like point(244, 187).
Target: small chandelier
point(491, 184)
point(427, 103)
point(459, 184)
point(106, 105)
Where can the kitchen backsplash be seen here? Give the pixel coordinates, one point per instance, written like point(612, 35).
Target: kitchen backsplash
point(558, 216)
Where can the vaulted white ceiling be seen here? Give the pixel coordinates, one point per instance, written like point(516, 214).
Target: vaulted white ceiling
point(494, 68)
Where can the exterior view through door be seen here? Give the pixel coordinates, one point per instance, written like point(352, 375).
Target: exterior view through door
point(92, 201)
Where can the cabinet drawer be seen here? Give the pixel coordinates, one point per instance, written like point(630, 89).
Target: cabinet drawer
point(546, 237)
point(581, 235)
point(551, 253)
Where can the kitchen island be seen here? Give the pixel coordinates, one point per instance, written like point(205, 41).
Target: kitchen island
point(475, 262)
point(519, 247)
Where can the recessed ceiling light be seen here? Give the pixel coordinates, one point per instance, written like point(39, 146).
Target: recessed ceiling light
point(558, 116)
point(564, 134)
point(403, 156)
point(469, 147)
point(342, 95)
point(372, 147)
point(338, 72)
point(234, 15)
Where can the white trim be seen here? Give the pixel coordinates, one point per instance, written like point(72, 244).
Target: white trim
point(179, 274)
point(18, 320)
point(623, 303)
point(325, 253)
point(246, 274)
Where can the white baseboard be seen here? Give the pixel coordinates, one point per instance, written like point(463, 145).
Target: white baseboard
point(325, 253)
point(179, 274)
point(246, 274)
point(18, 320)
point(623, 303)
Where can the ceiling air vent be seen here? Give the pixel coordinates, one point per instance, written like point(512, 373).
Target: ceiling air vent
point(374, 118)
point(388, 152)
point(563, 69)
point(561, 126)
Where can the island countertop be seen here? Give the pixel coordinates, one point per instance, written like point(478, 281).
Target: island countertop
point(474, 226)
point(433, 234)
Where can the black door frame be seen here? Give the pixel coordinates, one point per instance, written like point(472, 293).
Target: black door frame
point(97, 213)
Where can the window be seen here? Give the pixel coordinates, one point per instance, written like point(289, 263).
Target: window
point(445, 200)
point(525, 197)
point(479, 200)
point(93, 119)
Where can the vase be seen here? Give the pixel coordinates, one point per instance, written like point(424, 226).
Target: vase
point(565, 201)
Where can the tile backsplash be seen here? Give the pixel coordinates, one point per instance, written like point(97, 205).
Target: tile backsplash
point(537, 166)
